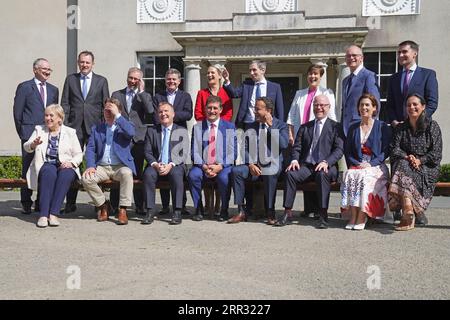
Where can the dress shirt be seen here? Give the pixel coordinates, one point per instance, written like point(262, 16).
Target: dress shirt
point(88, 80)
point(162, 143)
point(109, 156)
point(171, 96)
point(250, 117)
point(39, 88)
point(411, 74)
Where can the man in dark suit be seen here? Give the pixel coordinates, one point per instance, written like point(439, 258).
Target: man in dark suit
point(266, 135)
point(108, 156)
point(213, 152)
point(358, 82)
point(182, 104)
point(164, 162)
point(138, 108)
point(253, 89)
point(83, 97)
point(31, 98)
point(317, 148)
point(411, 79)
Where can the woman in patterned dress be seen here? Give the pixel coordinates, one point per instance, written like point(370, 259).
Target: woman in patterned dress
point(364, 186)
point(416, 153)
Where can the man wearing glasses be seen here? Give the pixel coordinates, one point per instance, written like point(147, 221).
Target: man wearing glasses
point(31, 98)
point(358, 82)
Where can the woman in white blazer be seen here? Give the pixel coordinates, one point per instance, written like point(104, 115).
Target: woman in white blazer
point(297, 114)
point(57, 156)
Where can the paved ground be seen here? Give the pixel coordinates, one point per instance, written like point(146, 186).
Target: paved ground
point(212, 260)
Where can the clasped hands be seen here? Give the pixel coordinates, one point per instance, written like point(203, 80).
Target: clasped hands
point(163, 169)
point(414, 162)
point(212, 170)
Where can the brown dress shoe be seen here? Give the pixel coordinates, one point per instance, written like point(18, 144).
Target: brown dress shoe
point(102, 212)
point(122, 217)
point(238, 218)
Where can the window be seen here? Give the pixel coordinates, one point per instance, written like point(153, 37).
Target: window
point(384, 64)
point(155, 67)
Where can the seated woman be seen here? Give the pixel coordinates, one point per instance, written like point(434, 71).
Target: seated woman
point(364, 186)
point(55, 164)
point(416, 153)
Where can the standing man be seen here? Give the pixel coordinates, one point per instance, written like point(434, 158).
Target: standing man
point(253, 89)
point(163, 163)
point(108, 156)
point(258, 165)
point(317, 148)
point(182, 104)
point(30, 101)
point(358, 82)
point(83, 97)
point(213, 152)
point(138, 107)
point(411, 79)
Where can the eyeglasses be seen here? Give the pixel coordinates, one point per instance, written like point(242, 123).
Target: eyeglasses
point(46, 69)
point(353, 55)
point(317, 105)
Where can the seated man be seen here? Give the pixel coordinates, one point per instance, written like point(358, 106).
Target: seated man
point(270, 135)
point(108, 156)
point(163, 162)
point(216, 139)
point(317, 148)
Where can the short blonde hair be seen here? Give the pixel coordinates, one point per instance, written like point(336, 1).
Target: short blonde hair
point(58, 110)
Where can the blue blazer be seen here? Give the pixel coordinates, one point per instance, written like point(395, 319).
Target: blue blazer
point(28, 109)
point(245, 90)
point(423, 82)
point(121, 143)
point(226, 152)
point(378, 141)
point(283, 140)
point(364, 82)
point(182, 107)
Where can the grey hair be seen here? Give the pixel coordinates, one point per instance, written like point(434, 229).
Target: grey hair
point(37, 62)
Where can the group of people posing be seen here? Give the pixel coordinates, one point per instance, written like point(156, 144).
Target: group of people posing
point(132, 135)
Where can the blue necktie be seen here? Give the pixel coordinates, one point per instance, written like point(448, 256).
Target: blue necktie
point(84, 89)
point(349, 83)
point(258, 91)
point(165, 147)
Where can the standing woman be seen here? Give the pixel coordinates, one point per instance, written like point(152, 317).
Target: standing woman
point(55, 165)
point(364, 186)
point(416, 154)
point(215, 88)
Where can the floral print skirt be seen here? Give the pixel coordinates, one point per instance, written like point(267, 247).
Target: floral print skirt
point(366, 189)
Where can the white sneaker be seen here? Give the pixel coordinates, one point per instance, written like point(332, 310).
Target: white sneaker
point(53, 221)
point(42, 222)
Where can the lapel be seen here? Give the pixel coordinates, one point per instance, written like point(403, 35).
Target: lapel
point(93, 83)
point(123, 101)
point(417, 78)
point(77, 84)
point(177, 98)
point(158, 138)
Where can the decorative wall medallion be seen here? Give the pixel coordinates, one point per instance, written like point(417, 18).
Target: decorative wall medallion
point(258, 6)
point(390, 7)
point(160, 11)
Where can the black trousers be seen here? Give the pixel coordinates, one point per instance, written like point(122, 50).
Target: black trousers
point(176, 180)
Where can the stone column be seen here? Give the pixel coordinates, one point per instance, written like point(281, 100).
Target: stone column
point(322, 62)
point(192, 83)
point(343, 71)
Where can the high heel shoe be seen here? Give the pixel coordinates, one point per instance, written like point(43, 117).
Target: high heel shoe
point(350, 226)
point(360, 226)
point(407, 220)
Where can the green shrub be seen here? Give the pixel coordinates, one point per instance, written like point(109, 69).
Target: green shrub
point(445, 173)
point(11, 167)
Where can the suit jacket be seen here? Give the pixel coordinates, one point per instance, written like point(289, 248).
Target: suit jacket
point(364, 82)
point(69, 150)
point(226, 143)
point(295, 116)
point(141, 106)
point(81, 112)
point(178, 135)
point(28, 109)
point(182, 106)
point(245, 91)
point(330, 144)
point(423, 82)
point(121, 143)
point(283, 141)
point(378, 141)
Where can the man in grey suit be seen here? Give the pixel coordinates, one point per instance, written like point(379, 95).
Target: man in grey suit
point(83, 97)
point(31, 98)
point(138, 108)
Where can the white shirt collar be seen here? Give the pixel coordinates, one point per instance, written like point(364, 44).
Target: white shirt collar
point(169, 127)
point(361, 66)
point(38, 82)
point(262, 81)
point(89, 75)
point(216, 123)
point(413, 68)
point(322, 121)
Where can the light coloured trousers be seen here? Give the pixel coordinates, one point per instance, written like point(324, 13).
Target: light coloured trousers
point(120, 173)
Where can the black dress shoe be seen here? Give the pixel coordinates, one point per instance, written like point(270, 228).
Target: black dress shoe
point(282, 219)
point(223, 216)
point(164, 210)
point(421, 220)
point(323, 223)
point(397, 215)
point(26, 208)
point(70, 208)
point(185, 212)
point(197, 217)
point(176, 217)
point(149, 217)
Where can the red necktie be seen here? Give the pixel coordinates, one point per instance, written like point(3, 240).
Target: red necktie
point(41, 92)
point(212, 145)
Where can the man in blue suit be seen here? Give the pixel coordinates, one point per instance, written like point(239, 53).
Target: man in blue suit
point(213, 152)
point(108, 156)
point(411, 79)
point(358, 82)
point(31, 98)
point(253, 89)
point(267, 135)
